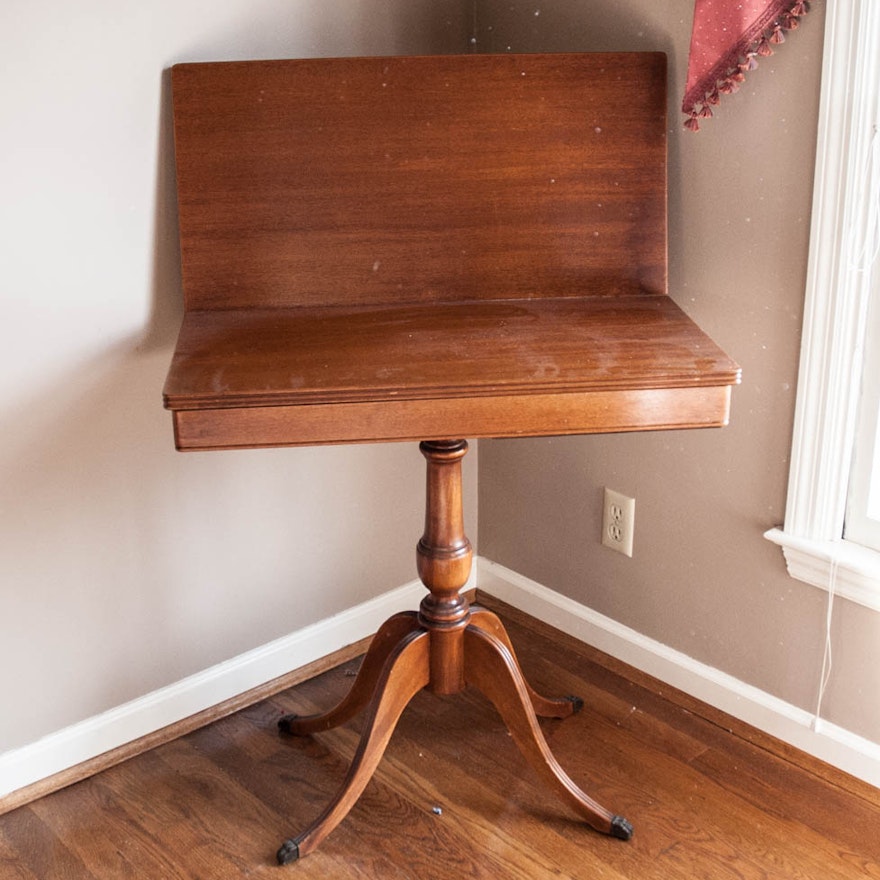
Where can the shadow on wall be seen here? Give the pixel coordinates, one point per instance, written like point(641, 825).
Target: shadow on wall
point(166, 310)
point(127, 565)
point(85, 460)
point(575, 26)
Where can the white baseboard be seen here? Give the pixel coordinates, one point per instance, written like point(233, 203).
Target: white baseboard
point(841, 748)
point(131, 721)
point(66, 748)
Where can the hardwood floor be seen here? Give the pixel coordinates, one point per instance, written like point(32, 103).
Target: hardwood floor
point(709, 797)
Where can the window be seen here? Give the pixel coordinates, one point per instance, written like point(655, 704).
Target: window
point(835, 313)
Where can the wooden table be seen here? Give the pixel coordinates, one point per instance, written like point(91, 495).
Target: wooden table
point(431, 249)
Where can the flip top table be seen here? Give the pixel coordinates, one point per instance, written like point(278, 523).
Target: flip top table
point(431, 249)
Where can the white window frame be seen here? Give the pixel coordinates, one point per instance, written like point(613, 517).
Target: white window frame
point(834, 317)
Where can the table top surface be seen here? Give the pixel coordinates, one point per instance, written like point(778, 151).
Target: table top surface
point(290, 357)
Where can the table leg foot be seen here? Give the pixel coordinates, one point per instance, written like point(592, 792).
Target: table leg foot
point(491, 667)
point(288, 852)
point(621, 828)
point(577, 704)
point(386, 640)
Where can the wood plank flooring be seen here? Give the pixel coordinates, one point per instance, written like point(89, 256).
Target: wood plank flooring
point(709, 797)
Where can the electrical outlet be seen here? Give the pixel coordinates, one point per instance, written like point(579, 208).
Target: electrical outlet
point(618, 519)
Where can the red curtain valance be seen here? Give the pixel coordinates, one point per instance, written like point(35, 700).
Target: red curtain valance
point(728, 38)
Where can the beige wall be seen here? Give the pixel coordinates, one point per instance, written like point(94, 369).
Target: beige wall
point(703, 580)
point(125, 566)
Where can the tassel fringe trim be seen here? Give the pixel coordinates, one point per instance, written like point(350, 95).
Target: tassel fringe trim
point(730, 72)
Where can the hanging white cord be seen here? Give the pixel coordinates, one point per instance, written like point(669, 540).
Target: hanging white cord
point(827, 659)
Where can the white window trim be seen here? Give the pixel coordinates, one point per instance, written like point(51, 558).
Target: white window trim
point(834, 317)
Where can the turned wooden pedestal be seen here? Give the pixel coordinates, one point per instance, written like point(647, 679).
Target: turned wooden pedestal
point(445, 647)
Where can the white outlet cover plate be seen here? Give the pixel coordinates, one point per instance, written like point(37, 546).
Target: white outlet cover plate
point(618, 520)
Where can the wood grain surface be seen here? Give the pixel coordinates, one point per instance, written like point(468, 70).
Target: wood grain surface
point(351, 181)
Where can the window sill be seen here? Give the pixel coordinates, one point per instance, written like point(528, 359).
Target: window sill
point(812, 561)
